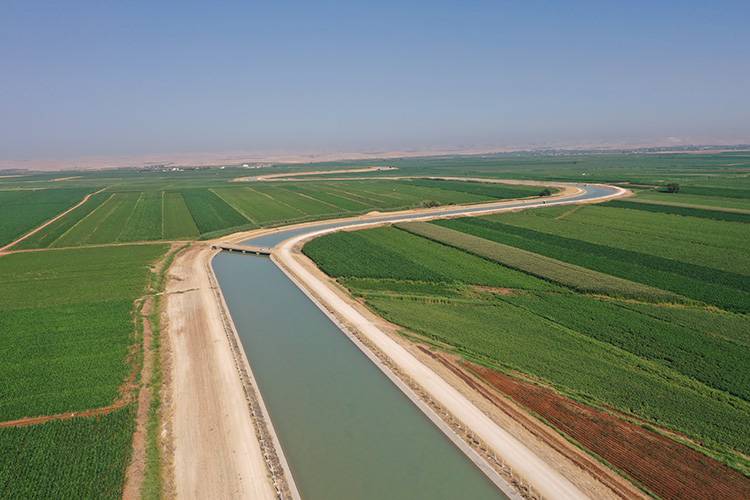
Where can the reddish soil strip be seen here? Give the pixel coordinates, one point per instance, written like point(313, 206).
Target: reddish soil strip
point(104, 410)
point(126, 397)
point(665, 467)
point(539, 429)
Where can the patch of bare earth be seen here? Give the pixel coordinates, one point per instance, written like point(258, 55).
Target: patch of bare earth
point(136, 469)
point(663, 466)
point(209, 422)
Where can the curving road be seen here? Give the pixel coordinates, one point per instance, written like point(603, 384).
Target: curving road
point(545, 479)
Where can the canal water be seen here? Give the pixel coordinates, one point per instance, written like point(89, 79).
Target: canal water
point(346, 430)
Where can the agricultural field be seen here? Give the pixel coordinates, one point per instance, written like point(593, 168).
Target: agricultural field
point(696, 201)
point(79, 458)
point(67, 319)
point(23, 210)
point(151, 215)
point(635, 308)
point(69, 327)
point(702, 259)
point(607, 341)
point(702, 213)
point(177, 222)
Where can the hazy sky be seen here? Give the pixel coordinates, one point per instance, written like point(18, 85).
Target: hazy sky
point(136, 78)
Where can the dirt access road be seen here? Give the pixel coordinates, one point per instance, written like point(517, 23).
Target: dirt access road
point(215, 450)
point(287, 176)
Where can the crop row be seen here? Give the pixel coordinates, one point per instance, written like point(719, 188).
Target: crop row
point(695, 200)
point(714, 361)
point(491, 190)
point(49, 234)
point(725, 289)
point(563, 273)
point(177, 222)
point(210, 212)
point(684, 211)
point(145, 221)
point(129, 216)
point(711, 243)
point(731, 327)
point(396, 254)
point(724, 192)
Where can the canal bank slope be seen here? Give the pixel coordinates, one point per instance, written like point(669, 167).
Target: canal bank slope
point(210, 427)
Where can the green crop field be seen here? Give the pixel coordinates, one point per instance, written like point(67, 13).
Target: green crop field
point(153, 214)
point(701, 259)
point(639, 305)
point(563, 273)
point(684, 211)
point(398, 255)
point(54, 231)
point(79, 458)
point(67, 324)
point(210, 212)
point(145, 221)
point(177, 221)
point(23, 210)
point(575, 328)
point(700, 201)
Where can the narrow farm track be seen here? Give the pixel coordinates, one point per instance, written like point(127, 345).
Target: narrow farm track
point(55, 218)
point(270, 177)
point(93, 412)
point(97, 245)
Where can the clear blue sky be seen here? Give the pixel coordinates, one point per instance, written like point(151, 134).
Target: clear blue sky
point(128, 78)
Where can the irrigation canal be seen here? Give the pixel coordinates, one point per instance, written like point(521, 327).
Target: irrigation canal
point(345, 429)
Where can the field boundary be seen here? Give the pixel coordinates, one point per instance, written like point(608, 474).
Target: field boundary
point(54, 219)
point(120, 402)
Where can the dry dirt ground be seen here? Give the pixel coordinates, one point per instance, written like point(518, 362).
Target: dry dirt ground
point(667, 468)
point(215, 450)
